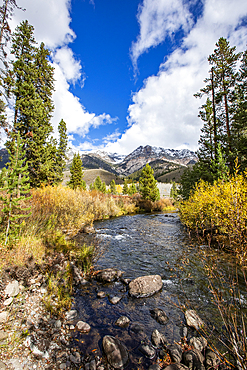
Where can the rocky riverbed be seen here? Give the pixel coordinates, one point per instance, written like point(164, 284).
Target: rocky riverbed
point(32, 338)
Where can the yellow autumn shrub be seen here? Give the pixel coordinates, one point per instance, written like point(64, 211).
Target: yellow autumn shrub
point(219, 212)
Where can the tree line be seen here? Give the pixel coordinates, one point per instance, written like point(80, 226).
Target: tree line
point(223, 138)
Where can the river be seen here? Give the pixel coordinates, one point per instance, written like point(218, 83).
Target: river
point(147, 244)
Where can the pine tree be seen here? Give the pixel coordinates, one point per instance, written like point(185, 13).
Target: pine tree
point(113, 187)
point(103, 188)
point(61, 154)
point(148, 184)
point(30, 82)
point(125, 187)
point(132, 189)
point(76, 173)
point(98, 183)
point(15, 184)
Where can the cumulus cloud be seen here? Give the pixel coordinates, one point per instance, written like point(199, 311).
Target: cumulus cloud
point(164, 112)
point(158, 19)
point(51, 21)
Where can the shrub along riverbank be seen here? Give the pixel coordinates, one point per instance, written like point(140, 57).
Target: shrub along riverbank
point(58, 213)
point(217, 213)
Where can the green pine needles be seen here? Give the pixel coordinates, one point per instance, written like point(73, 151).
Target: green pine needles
point(76, 174)
point(15, 187)
point(148, 184)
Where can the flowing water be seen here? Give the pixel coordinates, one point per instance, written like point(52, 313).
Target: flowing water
point(145, 245)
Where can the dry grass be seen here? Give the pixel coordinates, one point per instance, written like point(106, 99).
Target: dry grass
point(90, 176)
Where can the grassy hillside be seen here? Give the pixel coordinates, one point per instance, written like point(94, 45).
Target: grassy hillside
point(172, 176)
point(90, 176)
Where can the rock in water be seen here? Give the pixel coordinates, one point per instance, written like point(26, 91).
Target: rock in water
point(147, 351)
point(122, 321)
point(108, 275)
point(116, 353)
point(159, 315)
point(193, 320)
point(145, 286)
point(158, 339)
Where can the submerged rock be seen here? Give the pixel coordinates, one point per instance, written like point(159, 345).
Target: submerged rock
point(115, 300)
point(158, 339)
point(108, 275)
point(116, 352)
point(83, 327)
point(145, 286)
point(122, 321)
point(147, 351)
point(159, 315)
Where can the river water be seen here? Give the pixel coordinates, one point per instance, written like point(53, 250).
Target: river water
point(147, 244)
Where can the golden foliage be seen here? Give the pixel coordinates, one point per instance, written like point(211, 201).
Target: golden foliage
point(219, 212)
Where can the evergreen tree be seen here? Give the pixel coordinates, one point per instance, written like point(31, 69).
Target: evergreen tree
point(125, 187)
point(31, 83)
point(103, 188)
point(76, 173)
point(98, 183)
point(132, 189)
point(15, 186)
point(113, 187)
point(148, 184)
point(61, 154)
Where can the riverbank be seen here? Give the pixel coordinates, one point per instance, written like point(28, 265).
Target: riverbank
point(32, 338)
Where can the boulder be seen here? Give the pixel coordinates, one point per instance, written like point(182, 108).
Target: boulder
point(159, 315)
point(145, 286)
point(116, 353)
point(193, 320)
point(193, 359)
point(88, 229)
point(108, 275)
point(158, 339)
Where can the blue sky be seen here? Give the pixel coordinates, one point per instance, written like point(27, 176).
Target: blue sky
point(126, 70)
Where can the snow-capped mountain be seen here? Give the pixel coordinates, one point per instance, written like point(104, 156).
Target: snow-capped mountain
point(162, 159)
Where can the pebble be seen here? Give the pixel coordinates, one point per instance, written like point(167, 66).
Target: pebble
point(101, 294)
point(12, 289)
point(3, 316)
point(115, 300)
point(8, 301)
point(71, 315)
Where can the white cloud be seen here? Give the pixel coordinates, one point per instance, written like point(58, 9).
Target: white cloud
point(164, 111)
point(70, 67)
point(158, 19)
point(50, 18)
point(51, 21)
